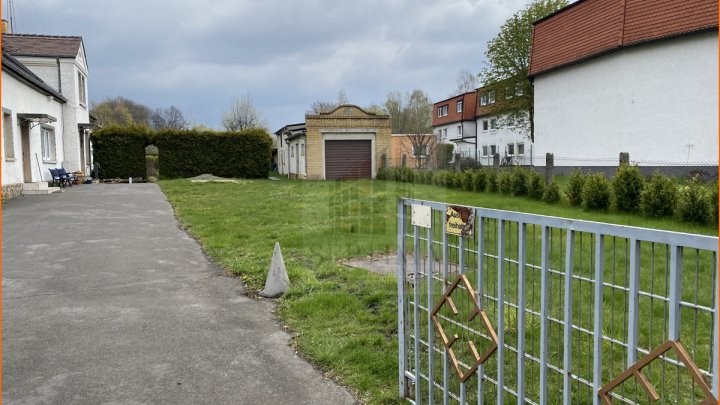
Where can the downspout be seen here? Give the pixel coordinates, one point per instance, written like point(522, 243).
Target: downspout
point(59, 79)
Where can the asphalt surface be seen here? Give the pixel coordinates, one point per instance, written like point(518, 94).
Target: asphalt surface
point(105, 300)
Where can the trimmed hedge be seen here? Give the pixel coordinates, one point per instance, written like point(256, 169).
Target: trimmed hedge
point(628, 185)
point(243, 154)
point(119, 152)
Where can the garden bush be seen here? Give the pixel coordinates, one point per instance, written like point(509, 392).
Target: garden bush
point(468, 163)
point(692, 203)
point(628, 185)
point(480, 180)
point(713, 203)
point(574, 188)
point(119, 152)
point(597, 191)
point(519, 180)
point(185, 153)
point(536, 185)
point(466, 180)
point(552, 193)
point(440, 178)
point(658, 197)
point(505, 181)
point(492, 180)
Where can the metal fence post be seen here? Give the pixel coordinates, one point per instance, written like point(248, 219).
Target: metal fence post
point(416, 314)
point(431, 328)
point(549, 168)
point(597, 325)
point(501, 313)
point(480, 286)
point(545, 265)
point(522, 258)
point(402, 350)
point(567, 330)
point(633, 297)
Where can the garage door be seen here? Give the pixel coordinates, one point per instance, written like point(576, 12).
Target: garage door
point(348, 159)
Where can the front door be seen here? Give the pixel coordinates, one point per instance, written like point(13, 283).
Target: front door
point(25, 140)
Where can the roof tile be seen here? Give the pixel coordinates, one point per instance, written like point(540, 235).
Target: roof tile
point(41, 45)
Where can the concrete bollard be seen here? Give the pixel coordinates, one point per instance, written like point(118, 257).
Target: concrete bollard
point(277, 282)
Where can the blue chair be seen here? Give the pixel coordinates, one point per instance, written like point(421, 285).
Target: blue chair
point(65, 177)
point(56, 179)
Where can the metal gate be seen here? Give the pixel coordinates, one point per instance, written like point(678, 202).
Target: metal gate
point(523, 308)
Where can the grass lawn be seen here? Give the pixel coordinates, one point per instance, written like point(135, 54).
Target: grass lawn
point(343, 319)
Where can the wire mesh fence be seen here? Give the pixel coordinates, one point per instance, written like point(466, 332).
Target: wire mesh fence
point(571, 305)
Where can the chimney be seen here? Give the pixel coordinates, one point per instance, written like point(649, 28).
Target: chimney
point(5, 26)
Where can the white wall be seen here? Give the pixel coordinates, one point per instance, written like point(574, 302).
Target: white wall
point(468, 129)
point(503, 135)
point(651, 101)
point(46, 69)
point(20, 98)
point(297, 157)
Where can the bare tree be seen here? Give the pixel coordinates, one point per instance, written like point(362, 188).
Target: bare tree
point(318, 107)
point(466, 81)
point(410, 115)
point(242, 115)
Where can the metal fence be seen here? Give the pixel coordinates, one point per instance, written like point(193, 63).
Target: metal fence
point(543, 310)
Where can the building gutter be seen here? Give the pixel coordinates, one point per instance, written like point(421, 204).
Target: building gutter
point(59, 78)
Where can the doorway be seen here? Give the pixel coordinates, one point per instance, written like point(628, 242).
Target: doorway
point(25, 141)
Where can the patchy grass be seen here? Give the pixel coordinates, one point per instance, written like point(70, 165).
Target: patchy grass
point(344, 319)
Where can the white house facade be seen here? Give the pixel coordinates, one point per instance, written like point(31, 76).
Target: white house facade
point(33, 131)
point(60, 62)
point(653, 96)
point(505, 136)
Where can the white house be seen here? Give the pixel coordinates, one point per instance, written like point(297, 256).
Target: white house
point(290, 143)
point(453, 121)
point(61, 63)
point(637, 76)
point(33, 131)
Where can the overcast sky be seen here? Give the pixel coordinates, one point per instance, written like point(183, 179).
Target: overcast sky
point(198, 55)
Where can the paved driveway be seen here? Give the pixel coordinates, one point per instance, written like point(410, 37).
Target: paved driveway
point(106, 300)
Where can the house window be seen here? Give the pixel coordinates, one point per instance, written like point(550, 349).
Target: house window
point(292, 151)
point(444, 132)
point(459, 130)
point(510, 121)
point(509, 92)
point(491, 97)
point(521, 149)
point(483, 99)
point(47, 137)
point(302, 149)
point(493, 149)
point(442, 111)
point(82, 89)
point(485, 125)
point(419, 150)
point(459, 106)
point(518, 89)
point(484, 150)
point(511, 149)
point(493, 123)
point(8, 140)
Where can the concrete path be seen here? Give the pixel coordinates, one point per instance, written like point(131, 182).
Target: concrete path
point(107, 301)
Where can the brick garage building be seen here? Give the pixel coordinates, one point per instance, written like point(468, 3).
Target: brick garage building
point(346, 143)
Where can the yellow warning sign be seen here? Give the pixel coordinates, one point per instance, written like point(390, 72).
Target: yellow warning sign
point(459, 220)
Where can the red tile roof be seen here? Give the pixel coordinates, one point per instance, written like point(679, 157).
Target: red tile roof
point(41, 45)
point(467, 114)
point(590, 27)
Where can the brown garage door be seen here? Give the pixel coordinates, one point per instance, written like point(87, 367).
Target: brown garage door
point(348, 159)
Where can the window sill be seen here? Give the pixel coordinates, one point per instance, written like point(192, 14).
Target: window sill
point(9, 159)
point(50, 161)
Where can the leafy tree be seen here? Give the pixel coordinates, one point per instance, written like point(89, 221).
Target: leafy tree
point(508, 58)
point(410, 114)
point(121, 111)
point(242, 115)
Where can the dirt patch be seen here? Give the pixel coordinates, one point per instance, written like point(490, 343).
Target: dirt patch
point(388, 264)
point(203, 178)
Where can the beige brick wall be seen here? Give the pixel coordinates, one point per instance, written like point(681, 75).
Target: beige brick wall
point(342, 119)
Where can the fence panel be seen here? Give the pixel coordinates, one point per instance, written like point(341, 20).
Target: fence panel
point(531, 309)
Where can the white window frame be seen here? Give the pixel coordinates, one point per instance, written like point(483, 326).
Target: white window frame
point(8, 136)
point(484, 98)
point(518, 89)
point(419, 151)
point(493, 123)
point(47, 144)
point(459, 130)
point(486, 125)
point(491, 97)
point(521, 145)
point(459, 106)
point(292, 150)
point(493, 150)
point(82, 89)
point(445, 133)
point(509, 92)
point(511, 149)
point(302, 149)
point(484, 150)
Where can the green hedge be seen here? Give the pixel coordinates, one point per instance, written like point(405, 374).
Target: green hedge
point(119, 152)
point(243, 154)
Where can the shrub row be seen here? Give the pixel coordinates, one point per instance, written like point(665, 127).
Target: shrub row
point(627, 191)
point(657, 197)
point(120, 152)
point(516, 181)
